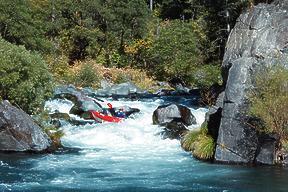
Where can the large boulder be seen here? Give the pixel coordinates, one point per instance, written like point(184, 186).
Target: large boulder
point(18, 132)
point(81, 101)
point(175, 119)
point(165, 114)
point(258, 40)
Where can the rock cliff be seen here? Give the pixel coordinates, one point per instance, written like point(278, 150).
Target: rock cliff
point(259, 39)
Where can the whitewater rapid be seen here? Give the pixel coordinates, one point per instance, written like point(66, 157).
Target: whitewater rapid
point(135, 136)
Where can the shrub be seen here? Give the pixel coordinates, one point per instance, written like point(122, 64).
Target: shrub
point(60, 68)
point(199, 143)
point(269, 100)
point(204, 147)
point(96, 72)
point(25, 79)
point(187, 142)
point(87, 76)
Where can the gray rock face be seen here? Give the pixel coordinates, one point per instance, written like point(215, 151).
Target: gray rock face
point(267, 150)
point(18, 132)
point(258, 40)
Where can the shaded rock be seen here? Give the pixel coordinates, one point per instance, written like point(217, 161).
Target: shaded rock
point(267, 149)
point(85, 104)
point(59, 119)
point(174, 130)
point(78, 122)
point(80, 99)
point(167, 113)
point(257, 41)
point(18, 132)
point(213, 117)
point(59, 115)
point(67, 92)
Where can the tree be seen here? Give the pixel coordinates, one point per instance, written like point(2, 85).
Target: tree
point(19, 26)
point(25, 79)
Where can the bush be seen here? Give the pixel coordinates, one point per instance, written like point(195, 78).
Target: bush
point(90, 73)
point(269, 100)
point(25, 79)
point(87, 76)
point(60, 68)
point(199, 143)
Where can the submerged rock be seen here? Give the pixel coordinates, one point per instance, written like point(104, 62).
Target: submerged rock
point(174, 130)
point(18, 132)
point(258, 40)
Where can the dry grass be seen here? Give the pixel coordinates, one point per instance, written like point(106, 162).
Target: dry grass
point(79, 74)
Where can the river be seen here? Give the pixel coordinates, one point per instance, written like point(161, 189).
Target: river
point(129, 156)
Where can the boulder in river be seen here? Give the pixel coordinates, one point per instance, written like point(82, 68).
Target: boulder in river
point(173, 112)
point(175, 118)
point(18, 132)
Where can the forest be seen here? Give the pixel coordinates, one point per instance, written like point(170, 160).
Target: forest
point(75, 41)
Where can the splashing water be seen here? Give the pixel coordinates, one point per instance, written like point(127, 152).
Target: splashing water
point(127, 156)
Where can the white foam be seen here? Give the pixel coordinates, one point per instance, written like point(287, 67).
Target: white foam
point(134, 137)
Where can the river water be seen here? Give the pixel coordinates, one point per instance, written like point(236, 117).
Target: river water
point(129, 156)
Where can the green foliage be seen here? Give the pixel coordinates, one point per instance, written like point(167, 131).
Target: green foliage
point(188, 141)
point(269, 100)
point(174, 53)
point(206, 75)
point(204, 147)
point(25, 79)
point(18, 25)
point(178, 52)
point(199, 143)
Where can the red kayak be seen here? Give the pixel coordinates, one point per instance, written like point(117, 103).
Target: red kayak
point(97, 115)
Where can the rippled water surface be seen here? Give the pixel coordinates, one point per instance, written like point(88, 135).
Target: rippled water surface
point(129, 156)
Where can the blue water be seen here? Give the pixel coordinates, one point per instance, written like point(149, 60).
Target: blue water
point(130, 156)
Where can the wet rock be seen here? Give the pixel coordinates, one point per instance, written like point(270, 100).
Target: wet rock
point(67, 92)
point(174, 118)
point(80, 99)
point(59, 115)
point(85, 104)
point(18, 132)
point(167, 113)
point(174, 130)
point(257, 41)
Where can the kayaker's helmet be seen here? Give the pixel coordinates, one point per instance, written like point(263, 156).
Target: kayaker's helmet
point(109, 105)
